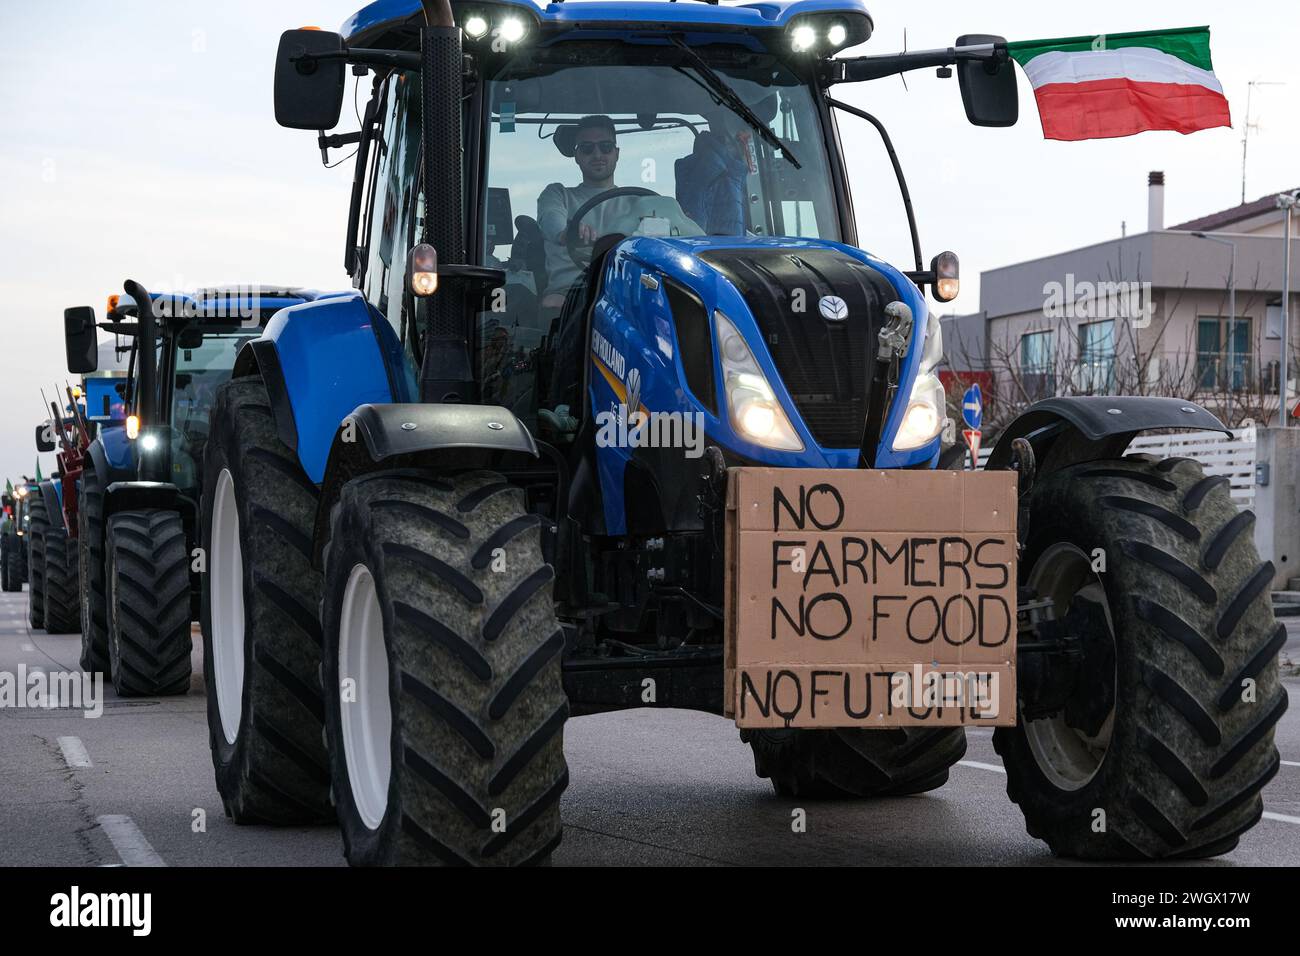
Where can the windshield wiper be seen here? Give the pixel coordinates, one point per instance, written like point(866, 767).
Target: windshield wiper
point(729, 98)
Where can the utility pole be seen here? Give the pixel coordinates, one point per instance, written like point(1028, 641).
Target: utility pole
point(1287, 202)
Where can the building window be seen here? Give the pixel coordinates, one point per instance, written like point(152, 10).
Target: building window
point(1037, 369)
point(1097, 357)
point(1214, 358)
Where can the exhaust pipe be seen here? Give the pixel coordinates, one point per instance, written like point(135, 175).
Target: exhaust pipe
point(149, 467)
point(446, 374)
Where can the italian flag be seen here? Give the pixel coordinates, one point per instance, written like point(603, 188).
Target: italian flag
point(1119, 84)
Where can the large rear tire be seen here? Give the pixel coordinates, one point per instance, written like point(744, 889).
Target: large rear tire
point(149, 604)
point(261, 637)
point(90, 566)
point(438, 613)
point(845, 763)
point(37, 525)
point(59, 580)
point(1164, 744)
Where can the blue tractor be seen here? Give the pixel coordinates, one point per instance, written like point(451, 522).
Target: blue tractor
point(134, 502)
point(437, 526)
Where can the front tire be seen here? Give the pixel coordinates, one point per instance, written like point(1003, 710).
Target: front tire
point(846, 763)
point(90, 567)
point(149, 604)
point(37, 525)
point(438, 606)
point(59, 580)
point(261, 638)
point(1164, 744)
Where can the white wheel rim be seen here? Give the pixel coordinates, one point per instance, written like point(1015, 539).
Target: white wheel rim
point(366, 715)
point(1065, 755)
point(226, 570)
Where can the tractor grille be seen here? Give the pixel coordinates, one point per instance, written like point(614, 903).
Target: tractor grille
point(825, 365)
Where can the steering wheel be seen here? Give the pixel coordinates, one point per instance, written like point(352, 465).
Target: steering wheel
point(571, 230)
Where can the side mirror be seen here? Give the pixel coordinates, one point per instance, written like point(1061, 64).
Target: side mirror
point(988, 88)
point(308, 92)
point(81, 340)
point(45, 437)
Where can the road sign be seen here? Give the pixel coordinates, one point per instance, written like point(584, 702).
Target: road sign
point(972, 407)
point(972, 436)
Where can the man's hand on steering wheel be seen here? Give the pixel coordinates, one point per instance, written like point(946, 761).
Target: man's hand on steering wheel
point(577, 231)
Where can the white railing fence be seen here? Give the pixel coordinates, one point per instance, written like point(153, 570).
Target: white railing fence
point(1218, 454)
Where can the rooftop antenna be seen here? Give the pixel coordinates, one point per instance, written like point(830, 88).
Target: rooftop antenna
point(1247, 126)
point(903, 76)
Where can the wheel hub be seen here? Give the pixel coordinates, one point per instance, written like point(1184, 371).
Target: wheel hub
point(226, 570)
point(1070, 743)
point(366, 711)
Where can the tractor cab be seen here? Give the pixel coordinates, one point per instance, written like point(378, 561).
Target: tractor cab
point(163, 402)
point(590, 142)
point(700, 130)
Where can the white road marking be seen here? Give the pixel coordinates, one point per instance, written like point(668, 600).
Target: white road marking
point(1291, 763)
point(980, 766)
point(1281, 817)
point(32, 647)
point(74, 752)
point(128, 841)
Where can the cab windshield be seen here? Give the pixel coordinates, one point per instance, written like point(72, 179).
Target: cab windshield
point(205, 359)
point(685, 159)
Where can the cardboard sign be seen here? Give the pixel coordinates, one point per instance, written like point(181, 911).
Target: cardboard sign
point(870, 598)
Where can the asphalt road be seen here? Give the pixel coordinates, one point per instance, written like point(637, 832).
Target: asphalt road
point(647, 787)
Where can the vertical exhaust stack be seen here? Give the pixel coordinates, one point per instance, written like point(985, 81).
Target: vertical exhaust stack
point(446, 373)
point(1155, 201)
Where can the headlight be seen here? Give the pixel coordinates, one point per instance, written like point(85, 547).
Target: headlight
point(823, 35)
point(926, 410)
point(803, 38)
point(755, 412)
point(512, 30)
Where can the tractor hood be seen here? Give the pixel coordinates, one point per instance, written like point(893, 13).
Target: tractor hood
point(811, 311)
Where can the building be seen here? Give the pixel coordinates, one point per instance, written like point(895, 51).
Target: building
point(1143, 314)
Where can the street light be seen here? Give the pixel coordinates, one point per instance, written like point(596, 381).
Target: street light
point(1232, 315)
point(1286, 202)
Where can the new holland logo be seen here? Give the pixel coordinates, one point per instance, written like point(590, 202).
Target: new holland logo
point(633, 389)
point(833, 308)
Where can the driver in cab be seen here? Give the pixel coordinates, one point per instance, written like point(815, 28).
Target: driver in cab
point(596, 153)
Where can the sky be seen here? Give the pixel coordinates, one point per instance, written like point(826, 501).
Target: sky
point(140, 143)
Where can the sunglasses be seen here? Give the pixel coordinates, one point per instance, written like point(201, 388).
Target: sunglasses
point(607, 146)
